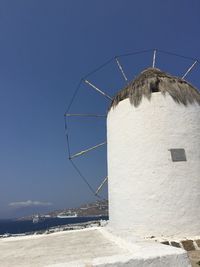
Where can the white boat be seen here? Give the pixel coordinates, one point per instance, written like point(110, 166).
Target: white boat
point(37, 218)
point(67, 215)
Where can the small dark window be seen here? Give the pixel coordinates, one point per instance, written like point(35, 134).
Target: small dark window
point(178, 154)
point(154, 89)
point(154, 86)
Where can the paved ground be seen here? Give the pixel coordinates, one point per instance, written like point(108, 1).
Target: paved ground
point(88, 247)
point(195, 258)
point(55, 248)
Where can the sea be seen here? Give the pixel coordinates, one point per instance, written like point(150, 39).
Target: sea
point(20, 227)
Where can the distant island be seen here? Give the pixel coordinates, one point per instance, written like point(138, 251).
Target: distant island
point(97, 208)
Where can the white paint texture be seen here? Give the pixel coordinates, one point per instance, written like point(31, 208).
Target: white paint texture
point(94, 247)
point(149, 193)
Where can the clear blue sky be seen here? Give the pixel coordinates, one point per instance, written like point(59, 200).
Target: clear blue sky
point(45, 48)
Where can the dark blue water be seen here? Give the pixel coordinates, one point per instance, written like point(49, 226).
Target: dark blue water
point(18, 227)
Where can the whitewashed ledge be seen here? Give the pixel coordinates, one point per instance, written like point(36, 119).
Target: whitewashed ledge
point(59, 228)
point(95, 246)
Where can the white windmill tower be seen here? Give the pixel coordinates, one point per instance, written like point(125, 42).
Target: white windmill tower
point(153, 140)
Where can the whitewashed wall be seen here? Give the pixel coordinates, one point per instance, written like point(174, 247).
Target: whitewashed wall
point(147, 191)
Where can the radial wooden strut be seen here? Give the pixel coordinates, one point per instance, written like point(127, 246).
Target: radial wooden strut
point(98, 90)
point(87, 150)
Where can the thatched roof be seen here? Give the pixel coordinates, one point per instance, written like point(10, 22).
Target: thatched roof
point(153, 80)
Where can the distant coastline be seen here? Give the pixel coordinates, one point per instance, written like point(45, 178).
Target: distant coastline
point(59, 220)
point(94, 209)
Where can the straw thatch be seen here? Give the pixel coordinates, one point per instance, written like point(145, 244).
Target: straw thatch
point(153, 80)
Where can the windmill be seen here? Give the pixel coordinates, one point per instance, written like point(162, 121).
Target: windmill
point(150, 76)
